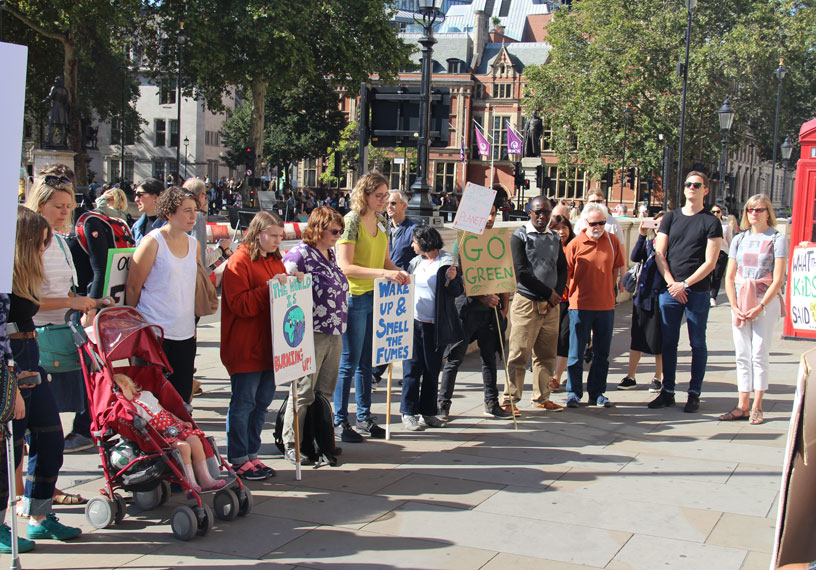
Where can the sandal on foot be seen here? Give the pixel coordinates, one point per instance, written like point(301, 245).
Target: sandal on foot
point(735, 414)
point(756, 417)
point(69, 499)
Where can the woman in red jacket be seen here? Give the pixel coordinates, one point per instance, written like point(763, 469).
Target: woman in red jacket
point(246, 341)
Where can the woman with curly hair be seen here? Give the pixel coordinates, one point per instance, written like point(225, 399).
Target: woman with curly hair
point(161, 283)
point(362, 254)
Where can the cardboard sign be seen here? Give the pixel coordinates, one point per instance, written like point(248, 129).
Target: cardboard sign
point(117, 273)
point(12, 106)
point(393, 322)
point(487, 263)
point(474, 208)
point(292, 328)
point(802, 289)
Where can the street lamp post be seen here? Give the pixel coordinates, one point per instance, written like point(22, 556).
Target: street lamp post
point(186, 144)
point(780, 75)
point(626, 114)
point(786, 149)
point(181, 38)
point(690, 5)
point(726, 116)
point(420, 204)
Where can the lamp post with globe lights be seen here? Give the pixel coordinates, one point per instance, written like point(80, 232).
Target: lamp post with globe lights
point(726, 117)
point(780, 75)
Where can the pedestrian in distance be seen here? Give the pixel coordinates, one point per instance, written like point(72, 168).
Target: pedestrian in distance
point(436, 325)
point(594, 263)
point(146, 195)
point(753, 281)
point(722, 259)
point(362, 254)
point(686, 250)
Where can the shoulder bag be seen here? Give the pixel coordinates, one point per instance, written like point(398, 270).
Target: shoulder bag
point(206, 298)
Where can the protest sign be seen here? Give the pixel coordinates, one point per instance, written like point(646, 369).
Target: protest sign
point(116, 273)
point(393, 321)
point(802, 288)
point(474, 208)
point(487, 263)
point(292, 332)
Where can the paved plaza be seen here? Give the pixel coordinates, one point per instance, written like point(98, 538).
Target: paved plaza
point(619, 488)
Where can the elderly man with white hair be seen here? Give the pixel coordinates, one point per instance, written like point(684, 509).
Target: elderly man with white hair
point(594, 263)
point(402, 230)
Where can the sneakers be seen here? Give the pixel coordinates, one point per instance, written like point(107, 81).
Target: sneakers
point(431, 421)
point(572, 401)
point(23, 545)
point(444, 411)
point(248, 472)
point(656, 386)
point(292, 458)
point(692, 404)
point(492, 409)
point(713, 302)
point(263, 468)
point(345, 433)
point(603, 401)
point(51, 528)
point(549, 406)
point(370, 427)
point(663, 400)
point(628, 383)
point(75, 442)
point(411, 423)
point(507, 408)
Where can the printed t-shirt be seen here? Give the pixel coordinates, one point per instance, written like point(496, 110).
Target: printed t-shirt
point(688, 239)
point(755, 255)
point(369, 251)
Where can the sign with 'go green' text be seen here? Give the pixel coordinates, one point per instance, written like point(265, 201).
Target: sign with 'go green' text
point(487, 263)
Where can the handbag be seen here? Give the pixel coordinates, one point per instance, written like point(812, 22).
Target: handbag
point(631, 277)
point(206, 298)
point(59, 344)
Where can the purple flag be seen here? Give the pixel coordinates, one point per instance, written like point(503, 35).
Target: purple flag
point(513, 141)
point(484, 146)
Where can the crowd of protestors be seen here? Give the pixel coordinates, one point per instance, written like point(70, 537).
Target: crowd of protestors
point(568, 277)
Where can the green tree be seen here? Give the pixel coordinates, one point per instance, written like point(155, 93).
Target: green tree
point(86, 44)
point(256, 45)
point(608, 55)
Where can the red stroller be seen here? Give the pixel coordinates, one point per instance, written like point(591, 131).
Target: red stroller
point(136, 457)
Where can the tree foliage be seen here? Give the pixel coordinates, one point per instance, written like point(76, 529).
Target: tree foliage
point(611, 54)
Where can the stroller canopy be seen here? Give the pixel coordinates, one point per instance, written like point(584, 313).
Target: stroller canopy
point(122, 333)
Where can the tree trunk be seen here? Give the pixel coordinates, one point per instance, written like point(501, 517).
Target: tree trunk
point(256, 124)
point(71, 79)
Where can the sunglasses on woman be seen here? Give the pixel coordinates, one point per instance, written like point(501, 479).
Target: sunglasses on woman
point(756, 210)
point(55, 181)
point(335, 232)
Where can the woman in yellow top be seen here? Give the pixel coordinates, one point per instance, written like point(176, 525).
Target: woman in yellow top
point(362, 254)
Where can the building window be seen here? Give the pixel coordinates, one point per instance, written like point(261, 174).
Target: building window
point(310, 172)
point(503, 90)
point(167, 92)
point(161, 133)
point(569, 184)
point(212, 170)
point(212, 138)
point(113, 168)
point(174, 133)
point(116, 133)
point(158, 169)
point(478, 91)
point(171, 167)
point(500, 137)
point(474, 144)
point(444, 176)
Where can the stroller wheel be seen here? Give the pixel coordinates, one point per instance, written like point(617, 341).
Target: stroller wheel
point(245, 501)
point(147, 500)
point(184, 523)
point(226, 504)
point(121, 508)
point(205, 518)
point(100, 512)
point(164, 486)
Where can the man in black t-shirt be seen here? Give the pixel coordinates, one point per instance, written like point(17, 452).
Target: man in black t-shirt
point(686, 250)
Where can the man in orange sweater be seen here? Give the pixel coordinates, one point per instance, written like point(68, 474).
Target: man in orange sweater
point(594, 263)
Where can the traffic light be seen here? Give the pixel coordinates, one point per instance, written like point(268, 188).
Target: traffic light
point(249, 159)
point(526, 184)
point(540, 176)
point(630, 177)
point(608, 178)
point(518, 175)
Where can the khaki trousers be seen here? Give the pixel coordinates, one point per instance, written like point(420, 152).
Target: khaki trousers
point(328, 348)
point(536, 334)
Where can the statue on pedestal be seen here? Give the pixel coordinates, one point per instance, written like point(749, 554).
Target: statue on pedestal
point(58, 117)
point(532, 136)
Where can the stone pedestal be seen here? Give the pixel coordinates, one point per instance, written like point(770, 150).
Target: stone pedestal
point(435, 221)
point(46, 156)
point(528, 166)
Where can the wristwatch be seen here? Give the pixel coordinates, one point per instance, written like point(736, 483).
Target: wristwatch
point(685, 284)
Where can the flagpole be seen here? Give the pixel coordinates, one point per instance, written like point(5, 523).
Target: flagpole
point(489, 139)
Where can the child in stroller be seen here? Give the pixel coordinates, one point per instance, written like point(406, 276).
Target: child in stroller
point(179, 434)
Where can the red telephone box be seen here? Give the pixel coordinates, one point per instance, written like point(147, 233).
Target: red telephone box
point(800, 316)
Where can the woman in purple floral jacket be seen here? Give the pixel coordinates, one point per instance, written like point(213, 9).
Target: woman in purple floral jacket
point(330, 291)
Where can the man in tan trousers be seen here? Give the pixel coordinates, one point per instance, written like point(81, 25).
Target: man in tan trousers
point(541, 274)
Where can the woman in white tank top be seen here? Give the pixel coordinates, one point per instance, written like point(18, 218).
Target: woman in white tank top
point(161, 283)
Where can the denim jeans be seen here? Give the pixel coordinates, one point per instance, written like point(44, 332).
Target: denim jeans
point(420, 379)
point(252, 392)
point(671, 315)
point(355, 362)
point(600, 324)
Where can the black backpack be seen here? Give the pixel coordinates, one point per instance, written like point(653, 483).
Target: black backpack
point(317, 440)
